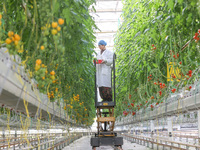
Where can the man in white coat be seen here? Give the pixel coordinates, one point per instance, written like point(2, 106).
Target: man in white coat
point(104, 71)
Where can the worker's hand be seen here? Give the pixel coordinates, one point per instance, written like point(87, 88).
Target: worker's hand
point(103, 62)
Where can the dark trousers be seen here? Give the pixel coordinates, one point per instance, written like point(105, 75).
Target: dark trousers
point(105, 93)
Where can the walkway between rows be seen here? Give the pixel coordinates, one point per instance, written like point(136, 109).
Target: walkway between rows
point(84, 144)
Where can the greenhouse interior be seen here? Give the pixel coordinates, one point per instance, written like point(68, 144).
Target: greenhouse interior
point(99, 74)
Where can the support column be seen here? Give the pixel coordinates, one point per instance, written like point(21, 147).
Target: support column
point(178, 127)
point(132, 129)
point(152, 128)
point(198, 115)
point(142, 129)
point(3, 135)
point(129, 129)
point(170, 128)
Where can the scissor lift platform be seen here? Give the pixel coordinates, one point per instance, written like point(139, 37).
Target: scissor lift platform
point(105, 116)
point(106, 103)
point(105, 136)
point(106, 140)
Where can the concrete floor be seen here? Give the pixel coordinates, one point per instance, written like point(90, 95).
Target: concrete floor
point(84, 144)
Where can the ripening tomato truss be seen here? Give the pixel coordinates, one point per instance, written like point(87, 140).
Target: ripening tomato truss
point(159, 56)
point(54, 41)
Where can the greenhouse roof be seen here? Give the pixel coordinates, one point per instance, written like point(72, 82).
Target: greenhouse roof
point(107, 18)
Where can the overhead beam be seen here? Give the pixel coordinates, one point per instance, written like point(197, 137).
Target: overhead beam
point(107, 11)
point(107, 37)
point(107, 46)
point(102, 10)
point(106, 32)
point(108, 0)
point(108, 21)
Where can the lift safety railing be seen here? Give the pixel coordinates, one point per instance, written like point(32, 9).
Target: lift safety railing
point(113, 102)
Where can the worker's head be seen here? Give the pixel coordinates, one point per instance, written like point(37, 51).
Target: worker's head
point(102, 45)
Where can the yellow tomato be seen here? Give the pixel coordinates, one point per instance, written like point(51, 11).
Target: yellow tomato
point(58, 28)
point(54, 31)
point(42, 47)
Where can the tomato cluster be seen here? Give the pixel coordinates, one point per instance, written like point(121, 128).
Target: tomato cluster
point(196, 36)
point(154, 48)
point(173, 90)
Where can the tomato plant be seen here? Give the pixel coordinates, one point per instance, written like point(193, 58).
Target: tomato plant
point(152, 37)
point(55, 42)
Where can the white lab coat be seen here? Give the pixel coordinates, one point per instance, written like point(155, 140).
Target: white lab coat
point(103, 73)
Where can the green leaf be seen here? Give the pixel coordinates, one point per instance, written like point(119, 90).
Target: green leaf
point(67, 14)
point(145, 63)
point(56, 7)
point(155, 65)
point(171, 4)
point(161, 55)
point(149, 68)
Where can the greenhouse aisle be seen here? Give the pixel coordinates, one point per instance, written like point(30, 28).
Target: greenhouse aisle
point(84, 144)
point(72, 69)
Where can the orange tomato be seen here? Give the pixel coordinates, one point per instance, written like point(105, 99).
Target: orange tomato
point(10, 33)
point(52, 73)
point(43, 66)
point(8, 41)
point(38, 61)
point(17, 37)
point(60, 21)
point(54, 24)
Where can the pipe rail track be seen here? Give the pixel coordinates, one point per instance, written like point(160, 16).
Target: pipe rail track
point(146, 141)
